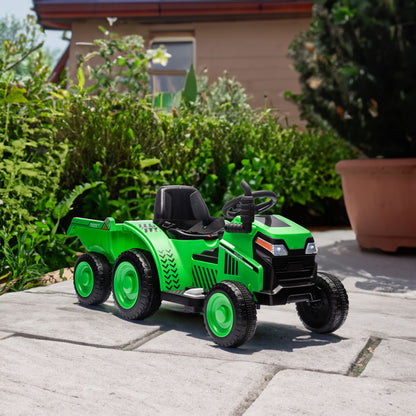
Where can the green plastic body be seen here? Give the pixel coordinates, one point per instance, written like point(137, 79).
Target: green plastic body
point(180, 263)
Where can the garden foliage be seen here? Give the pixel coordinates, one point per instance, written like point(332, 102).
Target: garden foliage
point(104, 134)
point(357, 68)
point(31, 162)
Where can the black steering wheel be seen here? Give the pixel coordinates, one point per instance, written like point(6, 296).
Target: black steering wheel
point(233, 208)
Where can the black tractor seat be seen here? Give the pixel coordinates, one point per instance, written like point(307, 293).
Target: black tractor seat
point(183, 214)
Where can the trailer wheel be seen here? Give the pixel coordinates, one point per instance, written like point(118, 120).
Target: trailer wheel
point(230, 314)
point(330, 312)
point(92, 278)
point(136, 287)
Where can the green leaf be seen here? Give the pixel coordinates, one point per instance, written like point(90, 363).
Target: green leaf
point(130, 133)
point(349, 71)
point(121, 61)
point(16, 95)
point(145, 163)
point(81, 78)
point(342, 14)
point(66, 204)
point(163, 100)
point(190, 90)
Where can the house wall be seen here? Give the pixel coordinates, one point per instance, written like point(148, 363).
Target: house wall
point(255, 52)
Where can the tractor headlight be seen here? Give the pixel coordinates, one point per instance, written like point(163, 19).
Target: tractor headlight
point(311, 248)
point(279, 250)
point(275, 249)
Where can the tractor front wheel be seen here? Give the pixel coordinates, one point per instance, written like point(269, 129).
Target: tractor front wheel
point(329, 312)
point(136, 289)
point(230, 314)
point(92, 278)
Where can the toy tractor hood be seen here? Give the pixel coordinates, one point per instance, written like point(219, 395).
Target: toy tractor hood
point(277, 227)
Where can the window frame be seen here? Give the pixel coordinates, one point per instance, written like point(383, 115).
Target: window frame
point(166, 38)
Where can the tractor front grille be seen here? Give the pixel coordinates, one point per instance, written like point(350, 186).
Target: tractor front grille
point(293, 269)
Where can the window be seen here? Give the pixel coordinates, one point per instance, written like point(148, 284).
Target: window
point(171, 78)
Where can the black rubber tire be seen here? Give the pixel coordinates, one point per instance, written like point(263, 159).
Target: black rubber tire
point(244, 314)
point(329, 313)
point(101, 271)
point(148, 299)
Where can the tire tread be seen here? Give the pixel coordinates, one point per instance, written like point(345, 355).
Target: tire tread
point(149, 298)
point(102, 278)
point(244, 310)
point(338, 305)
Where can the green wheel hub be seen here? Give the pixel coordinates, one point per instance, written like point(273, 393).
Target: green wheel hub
point(220, 315)
point(126, 285)
point(84, 279)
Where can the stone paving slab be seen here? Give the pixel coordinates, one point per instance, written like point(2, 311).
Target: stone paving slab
point(286, 344)
point(49, 378)
point(379, 315)
point(4, 334)
point(370, 270)
point(54, 312)
point(394, 359)
point(297, 392)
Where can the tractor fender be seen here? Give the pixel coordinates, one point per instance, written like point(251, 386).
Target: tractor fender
point(173, 258)
point(164, 253)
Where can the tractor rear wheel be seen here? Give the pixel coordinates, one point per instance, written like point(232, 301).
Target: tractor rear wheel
point(136, 289)
point(330, 312)
point(230, 314)
point(92, 278)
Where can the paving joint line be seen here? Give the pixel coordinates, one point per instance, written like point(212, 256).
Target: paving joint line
point(8, 336)
point(252, 396)
point(122, 347)
point(242, 360)
point(360, 363)
point(133, 345)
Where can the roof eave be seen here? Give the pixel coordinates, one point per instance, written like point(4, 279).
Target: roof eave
point(60, 16)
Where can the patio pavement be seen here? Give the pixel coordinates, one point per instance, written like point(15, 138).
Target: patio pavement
point(58, 356)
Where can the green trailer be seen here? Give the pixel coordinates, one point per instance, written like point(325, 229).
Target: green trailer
point(223, 269)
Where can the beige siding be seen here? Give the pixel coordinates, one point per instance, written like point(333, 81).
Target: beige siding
point(255, 52)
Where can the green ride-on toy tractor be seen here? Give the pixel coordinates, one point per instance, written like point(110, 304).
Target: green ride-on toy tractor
point(224, 270)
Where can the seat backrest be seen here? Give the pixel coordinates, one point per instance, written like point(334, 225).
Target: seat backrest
point(179, 203)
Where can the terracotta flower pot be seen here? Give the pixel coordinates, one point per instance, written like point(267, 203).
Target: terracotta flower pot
point(380, 197)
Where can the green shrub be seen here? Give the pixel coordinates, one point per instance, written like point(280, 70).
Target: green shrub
point(357, 69)
point(134, 148)
point(121, 66)
point(31, 162)
point(298, 165)
point(30, 166)
point(224, 98)
point(210, 152)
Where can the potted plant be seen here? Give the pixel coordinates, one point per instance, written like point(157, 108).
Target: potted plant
point(357, 65)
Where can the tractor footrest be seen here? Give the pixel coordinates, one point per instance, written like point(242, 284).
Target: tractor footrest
point(288, 294)
point(193, 302)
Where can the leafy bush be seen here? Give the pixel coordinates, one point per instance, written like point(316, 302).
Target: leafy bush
point(224, 98)
point(122, 64)
point(31, 162)
point(19, 40)
point(134, 148)
point(357, 66)
point(298, 165)
point(190, 147)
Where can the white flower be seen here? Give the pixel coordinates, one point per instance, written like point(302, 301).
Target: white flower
point(161, 58)
point(111, 20)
